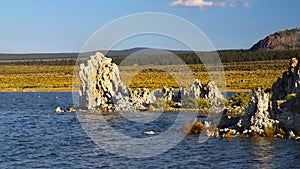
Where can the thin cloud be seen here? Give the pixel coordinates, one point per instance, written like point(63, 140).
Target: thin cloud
point(193, 3)
point(226, 3)
point(246, 4)
point(206, 3)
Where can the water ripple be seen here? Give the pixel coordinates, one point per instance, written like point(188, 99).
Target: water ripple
point(33, 136)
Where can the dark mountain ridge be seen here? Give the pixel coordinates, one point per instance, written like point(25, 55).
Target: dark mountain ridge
point(282, 40)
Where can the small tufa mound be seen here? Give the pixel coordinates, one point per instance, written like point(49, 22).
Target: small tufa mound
point(69, 110)
point(149, 132)
point(59, 110)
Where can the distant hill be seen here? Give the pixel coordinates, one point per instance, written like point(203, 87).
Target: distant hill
point(32, 56)
point(282, 40)
point(158, 58)
point(110, 53)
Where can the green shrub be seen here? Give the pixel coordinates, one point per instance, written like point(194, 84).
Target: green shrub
point(290, 96)
point(190, 103)
point(161, 103)
point(228, 102)
point(281, 131)
point(204, 104)
point(270, 131)
point(238, 111)
point(239, 99)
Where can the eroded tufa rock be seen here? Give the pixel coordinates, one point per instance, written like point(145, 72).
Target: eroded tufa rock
point(101, 87)
point(286, 98)
point(255, 120)
point(257, 116)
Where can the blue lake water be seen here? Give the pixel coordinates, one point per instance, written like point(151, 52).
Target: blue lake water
point(33, 136)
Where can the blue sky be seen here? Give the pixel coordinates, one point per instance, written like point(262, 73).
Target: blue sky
point(65, 25)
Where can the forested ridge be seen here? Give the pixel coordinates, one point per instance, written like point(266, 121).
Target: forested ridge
point(189, 57)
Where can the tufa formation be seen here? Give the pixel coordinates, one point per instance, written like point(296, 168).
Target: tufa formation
point(101, 88)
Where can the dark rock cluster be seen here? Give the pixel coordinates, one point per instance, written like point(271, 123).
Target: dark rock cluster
point(286, 98)
point(255, 120)
point(276, 114)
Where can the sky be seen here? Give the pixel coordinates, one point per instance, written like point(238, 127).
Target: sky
point(65, 25)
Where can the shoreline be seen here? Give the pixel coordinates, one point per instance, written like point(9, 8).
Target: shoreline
point(60, 78)
point(32, 90)
point(70, 90)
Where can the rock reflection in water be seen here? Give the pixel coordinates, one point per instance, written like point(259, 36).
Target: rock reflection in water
point(128, 138)
point(264, 152)
point(141, 117)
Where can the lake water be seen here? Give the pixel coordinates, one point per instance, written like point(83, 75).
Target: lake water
point(33, 136)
